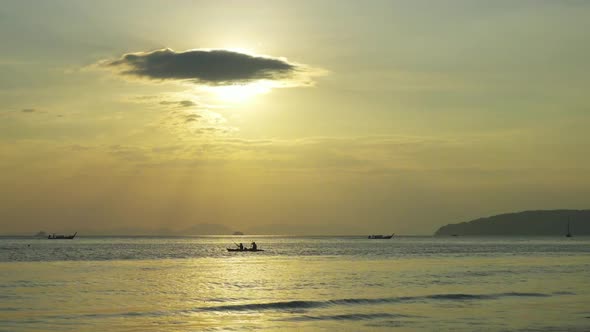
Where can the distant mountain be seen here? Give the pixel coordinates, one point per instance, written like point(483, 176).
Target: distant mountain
point(544, 222)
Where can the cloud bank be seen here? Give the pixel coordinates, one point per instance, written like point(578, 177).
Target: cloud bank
point(211, 67)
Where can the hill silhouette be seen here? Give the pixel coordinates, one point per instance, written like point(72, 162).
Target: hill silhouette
point(541, 222)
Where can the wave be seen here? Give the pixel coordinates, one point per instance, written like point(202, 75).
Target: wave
point(482, 296)
point(266, 306)
point(293, 305)
point(344, 317)
point(563, 293)
point(300, 305)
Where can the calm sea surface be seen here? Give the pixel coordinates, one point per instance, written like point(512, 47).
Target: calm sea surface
point(298, 283)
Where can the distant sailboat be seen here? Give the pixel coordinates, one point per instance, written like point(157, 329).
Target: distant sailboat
point(568, 234)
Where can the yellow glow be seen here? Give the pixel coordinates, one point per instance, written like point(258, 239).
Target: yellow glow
point(240, 50)
point(239, 93)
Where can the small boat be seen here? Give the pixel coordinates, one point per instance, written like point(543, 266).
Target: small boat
point(245, 249)
point(61, 237)
point(380, 237)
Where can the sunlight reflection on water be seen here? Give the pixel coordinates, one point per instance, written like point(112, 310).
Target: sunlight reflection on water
point(513, 285)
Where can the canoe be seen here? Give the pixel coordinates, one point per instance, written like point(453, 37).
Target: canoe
point(245, 249)
point(61, 237)
point(380, 237)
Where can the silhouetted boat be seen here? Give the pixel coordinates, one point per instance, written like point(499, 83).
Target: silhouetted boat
point(380, 237)
point(61, 237)
point(568, 234)
point(245, 249)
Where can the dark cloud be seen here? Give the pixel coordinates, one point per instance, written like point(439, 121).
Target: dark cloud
point(179, 103)
point(212, 131)
point(191, 117)
point(203, 66)
point(186, 103)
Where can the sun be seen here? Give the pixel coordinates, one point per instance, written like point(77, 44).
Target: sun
point(240, 93)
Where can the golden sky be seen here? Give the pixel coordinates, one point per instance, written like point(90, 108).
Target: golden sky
point(289, 117)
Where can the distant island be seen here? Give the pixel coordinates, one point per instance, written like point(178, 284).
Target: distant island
point(542, 222)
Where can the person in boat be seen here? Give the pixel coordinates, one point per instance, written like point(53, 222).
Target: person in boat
point(241, 246)
point(254, 246)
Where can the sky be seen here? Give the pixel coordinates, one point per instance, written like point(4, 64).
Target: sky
point(289, 117)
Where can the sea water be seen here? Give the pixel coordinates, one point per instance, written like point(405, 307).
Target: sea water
point(297, 283)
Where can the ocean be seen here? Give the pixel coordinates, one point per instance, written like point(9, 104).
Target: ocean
point(297, 283)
